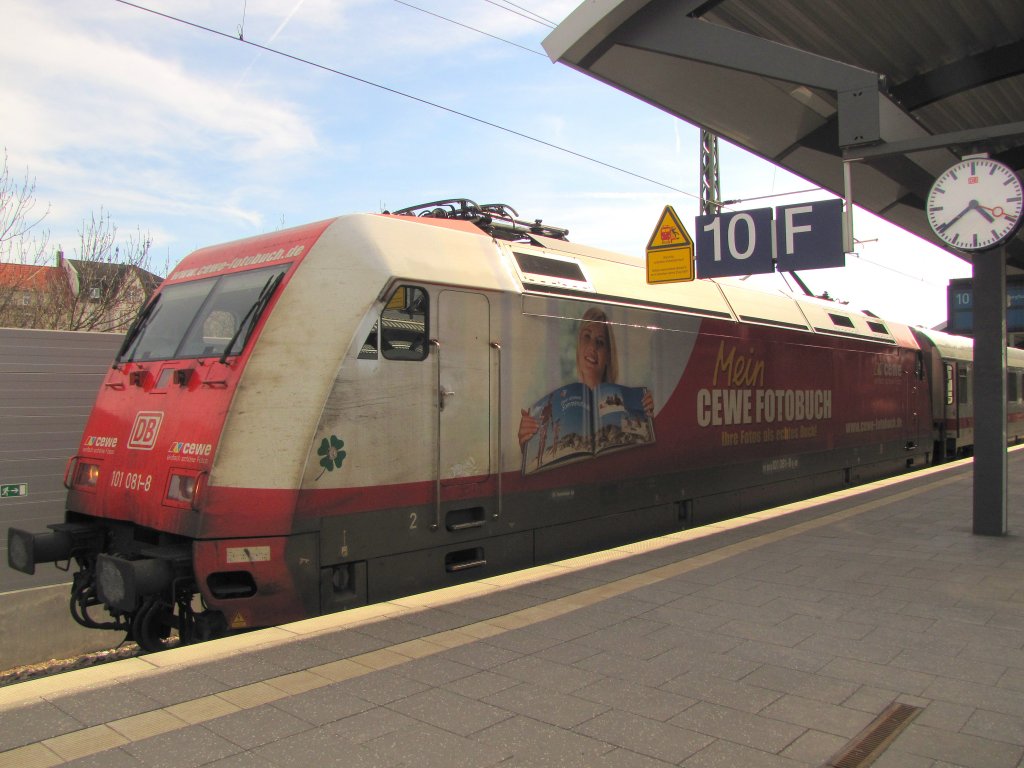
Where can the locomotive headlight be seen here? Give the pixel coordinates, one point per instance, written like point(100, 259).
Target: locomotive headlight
point(86, 475)
point(183, 487)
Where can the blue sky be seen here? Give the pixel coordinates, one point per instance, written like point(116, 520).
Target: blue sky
point(199, 138)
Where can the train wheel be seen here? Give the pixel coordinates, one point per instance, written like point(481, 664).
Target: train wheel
point(151, 628)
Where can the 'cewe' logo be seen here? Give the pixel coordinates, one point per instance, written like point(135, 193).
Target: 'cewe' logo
point(145, 429)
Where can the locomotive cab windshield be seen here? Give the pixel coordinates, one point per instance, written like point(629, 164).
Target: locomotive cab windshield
point(202, 318)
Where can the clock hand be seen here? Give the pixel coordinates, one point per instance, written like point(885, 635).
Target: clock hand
point(998, 212)
point(982, 210)
point(955, 219)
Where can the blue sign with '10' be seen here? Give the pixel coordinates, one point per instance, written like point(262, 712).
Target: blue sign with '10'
point(801, 236)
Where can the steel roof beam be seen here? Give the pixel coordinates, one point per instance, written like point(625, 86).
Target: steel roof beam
point(954, 138)
point(960, 76)
point(668, 28)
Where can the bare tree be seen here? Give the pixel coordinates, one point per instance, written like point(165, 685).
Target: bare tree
point(100, 289)
point(23, 244)
point(109, 279)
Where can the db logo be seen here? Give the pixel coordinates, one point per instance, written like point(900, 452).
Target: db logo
point(145, 429)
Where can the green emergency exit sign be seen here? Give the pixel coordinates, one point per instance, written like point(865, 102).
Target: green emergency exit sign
point(10, 490)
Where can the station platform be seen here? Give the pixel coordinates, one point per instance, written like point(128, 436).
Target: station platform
point(869, 622)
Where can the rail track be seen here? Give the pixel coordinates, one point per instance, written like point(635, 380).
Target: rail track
point(52, 667)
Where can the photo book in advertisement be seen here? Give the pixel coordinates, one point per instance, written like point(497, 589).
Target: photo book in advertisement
point(575, 422)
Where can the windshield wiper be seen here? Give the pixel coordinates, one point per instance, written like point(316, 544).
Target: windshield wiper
point(136, 329)
point(252, 317)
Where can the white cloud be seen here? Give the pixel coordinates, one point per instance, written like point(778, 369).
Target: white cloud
point(119, 110)
point(115, 95)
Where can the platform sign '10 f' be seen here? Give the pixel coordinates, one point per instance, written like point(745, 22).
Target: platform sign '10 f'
point(735, 243)
point(802, 236)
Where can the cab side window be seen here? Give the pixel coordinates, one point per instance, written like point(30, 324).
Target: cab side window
point(401, 331)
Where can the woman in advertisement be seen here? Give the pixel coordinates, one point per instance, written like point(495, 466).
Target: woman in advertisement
point(592, 414)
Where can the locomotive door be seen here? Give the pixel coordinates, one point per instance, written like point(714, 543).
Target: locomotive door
point(915, 386)
point(464, 421)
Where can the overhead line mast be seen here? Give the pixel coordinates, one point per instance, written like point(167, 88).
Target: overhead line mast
point(710, 186)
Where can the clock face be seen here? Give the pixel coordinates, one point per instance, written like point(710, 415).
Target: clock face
point(975, 204)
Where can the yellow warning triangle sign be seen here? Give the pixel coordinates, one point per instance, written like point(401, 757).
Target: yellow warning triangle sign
point(670, 233)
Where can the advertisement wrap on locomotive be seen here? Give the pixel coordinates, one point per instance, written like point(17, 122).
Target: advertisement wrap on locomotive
point(382, 404)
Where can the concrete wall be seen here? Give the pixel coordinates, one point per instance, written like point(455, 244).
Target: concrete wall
point(35, 626)
point(48, 382)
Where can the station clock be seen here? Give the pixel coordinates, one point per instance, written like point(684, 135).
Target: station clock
point(976, 204)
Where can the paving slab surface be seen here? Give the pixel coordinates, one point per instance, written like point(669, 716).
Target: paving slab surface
point(779, 639)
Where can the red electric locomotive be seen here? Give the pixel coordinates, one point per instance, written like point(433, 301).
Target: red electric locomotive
point(378, 404)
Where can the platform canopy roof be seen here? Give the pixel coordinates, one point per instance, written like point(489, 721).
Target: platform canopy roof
point(807, 83)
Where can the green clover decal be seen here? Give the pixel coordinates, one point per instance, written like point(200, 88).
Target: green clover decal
point(333, 456)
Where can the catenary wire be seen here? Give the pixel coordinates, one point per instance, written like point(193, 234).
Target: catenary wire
point(466, 26)
point(388, 89)
point(551, 23)
point(467, 116)
point(720, 204)
point(534, 17)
